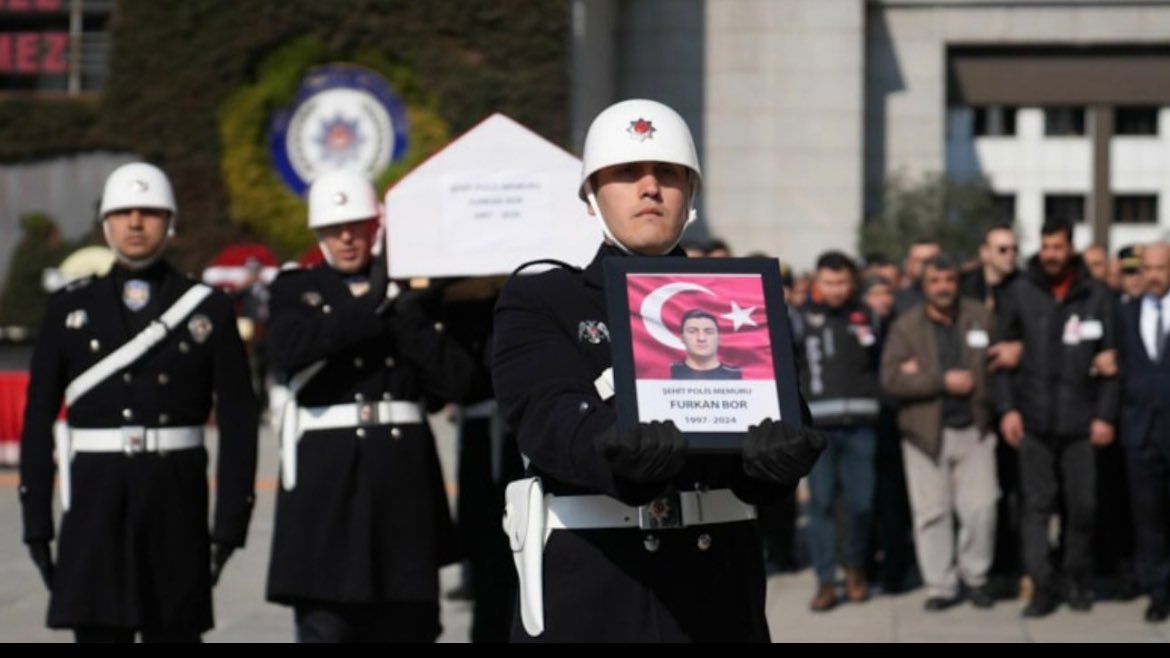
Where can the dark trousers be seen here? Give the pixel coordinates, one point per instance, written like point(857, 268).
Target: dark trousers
point(1052, 469)
point(846, 465)
point(114, 635)
point(1149, 480)
point(1005, 568)
point(326, 622)
point(479, 509)
point(894, 527)
point(1114, 552)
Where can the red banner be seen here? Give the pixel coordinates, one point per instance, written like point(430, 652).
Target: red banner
point(34, 53)
point(31, 6)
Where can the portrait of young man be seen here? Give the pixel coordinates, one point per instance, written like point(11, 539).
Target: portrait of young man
point(700, 334)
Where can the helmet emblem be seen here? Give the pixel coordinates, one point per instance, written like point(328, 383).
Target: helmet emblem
point(641, 130)
point(340, 199)
point(139, 186)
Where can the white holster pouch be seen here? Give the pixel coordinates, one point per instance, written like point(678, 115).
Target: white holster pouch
point(524, 523)
point(64, 448)
point(288, 430)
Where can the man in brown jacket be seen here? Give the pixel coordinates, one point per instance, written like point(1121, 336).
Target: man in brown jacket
point(934, 365)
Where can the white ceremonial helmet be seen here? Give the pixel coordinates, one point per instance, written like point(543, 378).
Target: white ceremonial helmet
point(638, 130)
point(138, 185)
point(340, 197)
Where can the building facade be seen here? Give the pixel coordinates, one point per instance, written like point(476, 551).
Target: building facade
point(804, 108)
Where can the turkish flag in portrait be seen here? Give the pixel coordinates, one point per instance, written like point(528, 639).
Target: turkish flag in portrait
point(658, 302)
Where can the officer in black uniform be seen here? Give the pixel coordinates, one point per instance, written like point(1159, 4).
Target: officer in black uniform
point(698, 575)
point(139, 356)
point(362, 523)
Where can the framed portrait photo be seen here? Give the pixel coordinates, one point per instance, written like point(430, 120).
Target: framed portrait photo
point(704, 342)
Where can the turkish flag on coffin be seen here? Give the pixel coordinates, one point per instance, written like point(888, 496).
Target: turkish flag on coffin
point(658, 302)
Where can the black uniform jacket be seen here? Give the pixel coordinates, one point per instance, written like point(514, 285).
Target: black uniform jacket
point(134, 546)
point(368, 520)
point(1054, 387)
point(606, 584)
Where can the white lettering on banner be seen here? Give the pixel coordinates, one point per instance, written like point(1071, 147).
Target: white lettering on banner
point(479, 205)
point(708, 406)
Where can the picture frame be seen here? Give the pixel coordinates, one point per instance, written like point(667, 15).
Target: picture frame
point(704, 342)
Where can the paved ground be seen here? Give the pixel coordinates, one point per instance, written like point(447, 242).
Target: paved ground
point(243, 616)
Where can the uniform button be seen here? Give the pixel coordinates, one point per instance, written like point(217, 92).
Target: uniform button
point(184, 347)
point(361, 432)
point(163, 419)
point(94, 345)
point(396, 433)
point(162, 378)
point(387, 396)
point(127, 414)
point(250, 499)
point(583, 407)
point(438, 326)
point(127, 377)
point(358, 362)
point(651, 543)
point(389, 362)
point(326, 309)
point(704, 541)
point(358, 397)
point(23, 490)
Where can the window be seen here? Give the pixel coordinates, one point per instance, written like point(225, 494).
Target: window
point(1135, 208)
point(994, 121)
point(1064, 207)
point(1135, 120)
point(1004, 208)
point(1064, 121)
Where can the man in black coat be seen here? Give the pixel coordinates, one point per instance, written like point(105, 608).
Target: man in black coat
point(617, 564)
point(362, 522)
point(1145, 424)
point(1056, 407)
point(139, 356)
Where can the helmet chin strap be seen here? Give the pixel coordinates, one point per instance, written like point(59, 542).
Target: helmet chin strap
point(138, 264)
point(692, 216)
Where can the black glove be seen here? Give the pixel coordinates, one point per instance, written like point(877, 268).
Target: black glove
point(781, 453)
point(42, 556)
point(219, 557)
point(649, 453)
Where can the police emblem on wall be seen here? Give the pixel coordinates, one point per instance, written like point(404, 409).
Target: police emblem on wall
point(343, 117)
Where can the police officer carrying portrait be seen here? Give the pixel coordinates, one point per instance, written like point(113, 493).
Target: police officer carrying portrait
point(362, 523)
point(595, 561)
point(139, 356)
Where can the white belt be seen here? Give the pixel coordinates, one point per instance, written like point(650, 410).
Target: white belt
point(678, 510)
point(358, 414)
point(134, 439)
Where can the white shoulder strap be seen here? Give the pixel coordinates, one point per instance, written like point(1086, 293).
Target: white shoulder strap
point(133, 349)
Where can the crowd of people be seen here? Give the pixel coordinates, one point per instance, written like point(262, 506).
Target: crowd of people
point(1012, 397)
